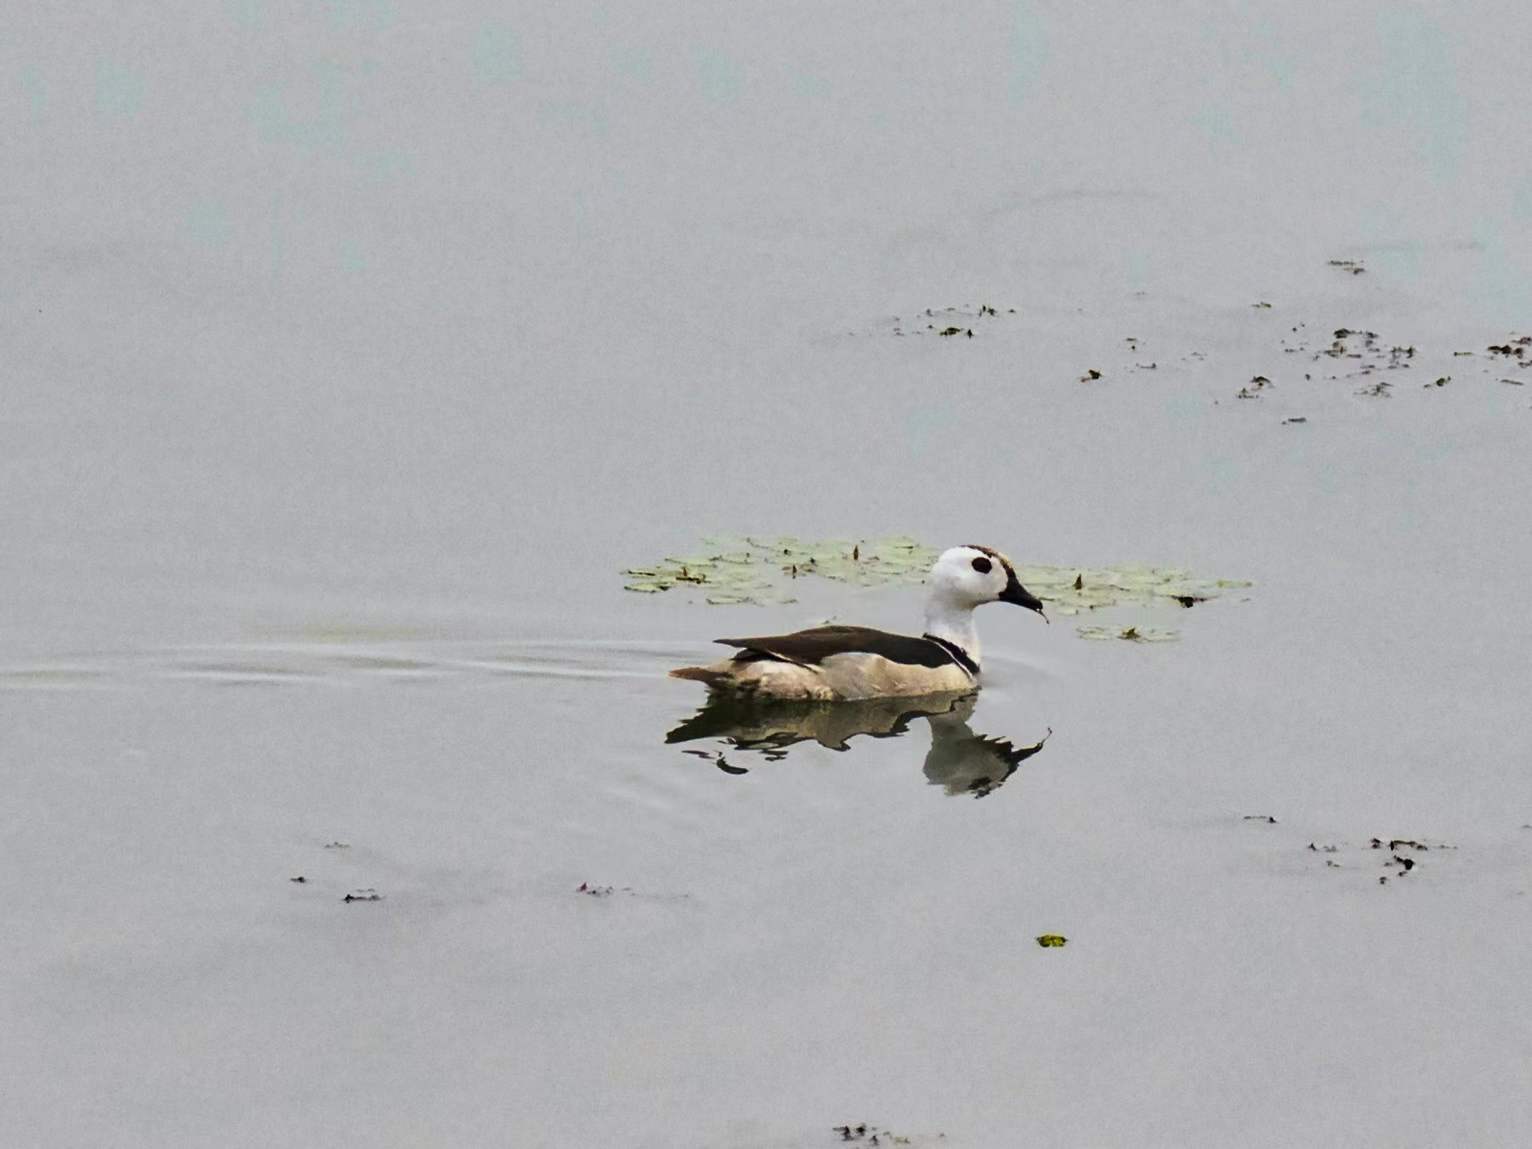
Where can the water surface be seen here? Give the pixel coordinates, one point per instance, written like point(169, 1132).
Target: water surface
point(353, 354)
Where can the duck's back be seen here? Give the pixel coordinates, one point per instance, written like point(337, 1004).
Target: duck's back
point(829, 662)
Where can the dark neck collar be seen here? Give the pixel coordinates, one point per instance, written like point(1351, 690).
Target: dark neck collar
point(956, 652)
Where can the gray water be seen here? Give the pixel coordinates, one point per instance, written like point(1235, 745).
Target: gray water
point(353, 353)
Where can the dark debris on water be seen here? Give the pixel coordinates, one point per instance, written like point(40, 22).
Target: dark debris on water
point(1398, 861)
point(872, 1135)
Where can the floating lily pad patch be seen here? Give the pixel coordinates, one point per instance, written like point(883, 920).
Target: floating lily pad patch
point(1076, 590)
point(1127, 633)
point(732, 571)
point(751, 569)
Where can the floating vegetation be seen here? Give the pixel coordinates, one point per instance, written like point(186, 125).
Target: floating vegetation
point(758, 570)
point(1343, 347)
point(1397, 859)
point(873, 1135)
point(1051, 941)
point(1363, 347)
point(1128, 633)
point(1117, 586)
point(944, 320)
point(592, 890)
point(734, 571)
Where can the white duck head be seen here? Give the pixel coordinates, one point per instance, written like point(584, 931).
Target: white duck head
point(966, 577)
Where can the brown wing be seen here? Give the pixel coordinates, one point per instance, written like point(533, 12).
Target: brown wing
point(811, 647)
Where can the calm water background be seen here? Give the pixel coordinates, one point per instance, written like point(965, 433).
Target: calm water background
point(351, 353)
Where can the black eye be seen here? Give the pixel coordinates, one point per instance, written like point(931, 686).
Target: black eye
point(981, 564)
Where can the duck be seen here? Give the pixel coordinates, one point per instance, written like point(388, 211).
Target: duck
point(851, 663)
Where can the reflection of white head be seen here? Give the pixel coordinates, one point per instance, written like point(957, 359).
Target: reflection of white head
point(962, 762)
point(966, 577)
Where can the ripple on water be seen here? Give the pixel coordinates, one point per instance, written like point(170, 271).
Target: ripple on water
point(349, 663)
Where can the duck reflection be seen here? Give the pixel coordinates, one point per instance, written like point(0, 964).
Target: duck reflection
point(959, 760)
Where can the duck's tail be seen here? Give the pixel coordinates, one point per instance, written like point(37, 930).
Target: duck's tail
point(712, 677)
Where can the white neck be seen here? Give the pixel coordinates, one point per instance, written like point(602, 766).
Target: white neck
point(952, 620)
